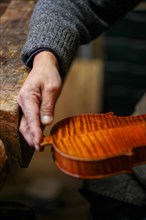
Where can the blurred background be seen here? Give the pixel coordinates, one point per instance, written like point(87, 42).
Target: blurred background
point(103, 77)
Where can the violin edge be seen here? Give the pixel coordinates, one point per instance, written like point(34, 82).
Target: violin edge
point(95, 169)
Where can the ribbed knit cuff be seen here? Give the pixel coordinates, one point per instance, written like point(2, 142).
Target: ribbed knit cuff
point(63, 43)
point(29, 61)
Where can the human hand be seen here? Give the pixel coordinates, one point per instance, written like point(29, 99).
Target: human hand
point(38, 96)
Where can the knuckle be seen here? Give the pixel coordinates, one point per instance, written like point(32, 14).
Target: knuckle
point(30, 120)
point(22, 127)
point(47, 108)
point(23, 130)
point(21, 96)
point(53, 87)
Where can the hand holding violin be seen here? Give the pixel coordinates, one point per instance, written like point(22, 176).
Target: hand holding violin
point(38, 96)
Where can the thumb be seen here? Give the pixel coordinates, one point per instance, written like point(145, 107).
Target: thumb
point(49, 98)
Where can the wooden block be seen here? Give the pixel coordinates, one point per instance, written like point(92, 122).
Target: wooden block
point(14, 29)
point(3, 164)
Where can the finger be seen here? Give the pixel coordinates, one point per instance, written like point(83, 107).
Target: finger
point(30, 108)
point(49, 97)
point(24, 129)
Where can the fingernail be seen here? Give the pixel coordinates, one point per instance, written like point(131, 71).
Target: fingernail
point(37, 147)
point(46, 119)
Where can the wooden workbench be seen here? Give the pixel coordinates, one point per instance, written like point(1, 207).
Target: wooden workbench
point(14, 29)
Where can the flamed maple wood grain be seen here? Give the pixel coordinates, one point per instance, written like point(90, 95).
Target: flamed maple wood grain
point(98, 145)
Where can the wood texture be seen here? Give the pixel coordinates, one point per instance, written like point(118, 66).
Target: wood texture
point(3, 164)
point(98, 145)
point(14, 29)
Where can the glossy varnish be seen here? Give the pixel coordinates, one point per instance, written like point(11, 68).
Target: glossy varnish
point(98, 145)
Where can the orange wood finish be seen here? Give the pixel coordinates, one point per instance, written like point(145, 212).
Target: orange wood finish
point(98, 145)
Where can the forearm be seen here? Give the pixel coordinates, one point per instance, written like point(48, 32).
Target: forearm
point(61, 26)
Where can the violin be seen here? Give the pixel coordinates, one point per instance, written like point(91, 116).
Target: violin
point(93, 146)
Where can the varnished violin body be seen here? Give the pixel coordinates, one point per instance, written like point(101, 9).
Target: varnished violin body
point(98, 145)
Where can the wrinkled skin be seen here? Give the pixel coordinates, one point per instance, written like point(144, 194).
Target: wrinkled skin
point(38, 96)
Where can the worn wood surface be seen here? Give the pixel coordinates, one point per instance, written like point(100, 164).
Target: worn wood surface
point(3, 164)
point(14, 29)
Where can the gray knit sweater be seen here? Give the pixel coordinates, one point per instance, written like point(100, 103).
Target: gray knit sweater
point(61, 26)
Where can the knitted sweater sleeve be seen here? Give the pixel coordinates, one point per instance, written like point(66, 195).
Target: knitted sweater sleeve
point(61, 26)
